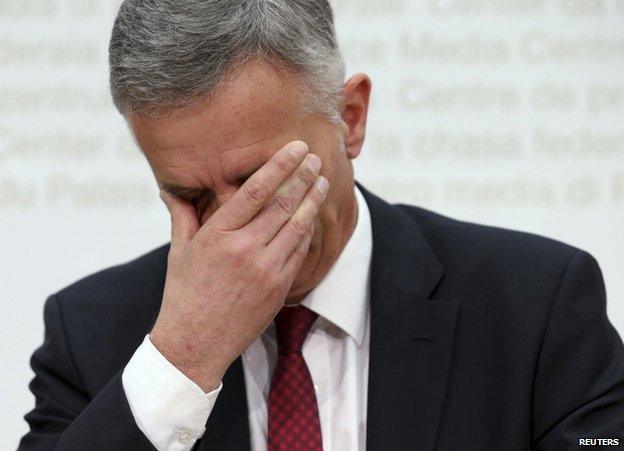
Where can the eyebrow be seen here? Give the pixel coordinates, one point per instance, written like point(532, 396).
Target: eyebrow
point(190, 193)
point(181, 191)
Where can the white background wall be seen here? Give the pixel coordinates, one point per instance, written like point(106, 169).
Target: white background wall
point(507, 112)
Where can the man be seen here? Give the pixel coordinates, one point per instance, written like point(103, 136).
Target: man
point(293, 309)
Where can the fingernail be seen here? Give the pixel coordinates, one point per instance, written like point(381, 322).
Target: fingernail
point(314, 162)
point(298, 149)
point(322, 185)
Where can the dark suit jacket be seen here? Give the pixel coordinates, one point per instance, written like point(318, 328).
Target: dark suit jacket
point(481, 339)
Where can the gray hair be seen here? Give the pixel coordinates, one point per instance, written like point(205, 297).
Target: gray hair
point(166, 54)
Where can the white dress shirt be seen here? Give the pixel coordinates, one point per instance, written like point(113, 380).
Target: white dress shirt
point(171, 410)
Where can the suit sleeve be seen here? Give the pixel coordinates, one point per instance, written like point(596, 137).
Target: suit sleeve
point(65, 417)
point(579, 380)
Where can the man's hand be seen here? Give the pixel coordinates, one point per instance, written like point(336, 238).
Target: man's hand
point(227, 279)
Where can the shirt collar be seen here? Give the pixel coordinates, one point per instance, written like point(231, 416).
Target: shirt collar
point(342, 296)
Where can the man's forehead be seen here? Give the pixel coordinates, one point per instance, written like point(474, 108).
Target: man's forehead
point(212, 166)
point(237, 116)
point(257, 103)
point(238, 129)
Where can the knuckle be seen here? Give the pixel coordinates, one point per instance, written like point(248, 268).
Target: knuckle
point(242, 247)
point(285, 203)
point(283, 165)
point(263, 270)
point(256, 192)
point(299, 226)
point(258, 267)
point(305, 175)
point(236, 250)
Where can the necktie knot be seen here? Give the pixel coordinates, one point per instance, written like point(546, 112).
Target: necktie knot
point(292, 325)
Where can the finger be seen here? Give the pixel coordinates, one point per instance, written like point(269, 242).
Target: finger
point(291, 234)
point(265, 225)
point(296, 259)
point(184, 221)
point(247, 201)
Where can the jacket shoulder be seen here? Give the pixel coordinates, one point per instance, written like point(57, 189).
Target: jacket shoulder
point(485, 239)
point(490, 255)
point(106, 315)
point(131, 281)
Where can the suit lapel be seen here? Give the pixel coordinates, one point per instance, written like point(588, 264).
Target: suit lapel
point(228, 427)
point(411, 334)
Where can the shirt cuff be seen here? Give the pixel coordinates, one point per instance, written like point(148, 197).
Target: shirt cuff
point(168, 407)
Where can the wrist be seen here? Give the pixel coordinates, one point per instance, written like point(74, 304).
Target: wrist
point(207, 375)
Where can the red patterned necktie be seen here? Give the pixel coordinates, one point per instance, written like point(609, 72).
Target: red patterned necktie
point(294, 422)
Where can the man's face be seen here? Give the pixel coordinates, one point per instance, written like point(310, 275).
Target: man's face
point(205, 152)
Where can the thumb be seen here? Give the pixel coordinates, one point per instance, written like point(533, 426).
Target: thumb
point(184, 220)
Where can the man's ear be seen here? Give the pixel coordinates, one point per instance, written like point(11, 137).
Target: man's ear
point(355, 100)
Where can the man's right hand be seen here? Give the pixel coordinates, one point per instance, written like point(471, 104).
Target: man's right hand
point(227, 279)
